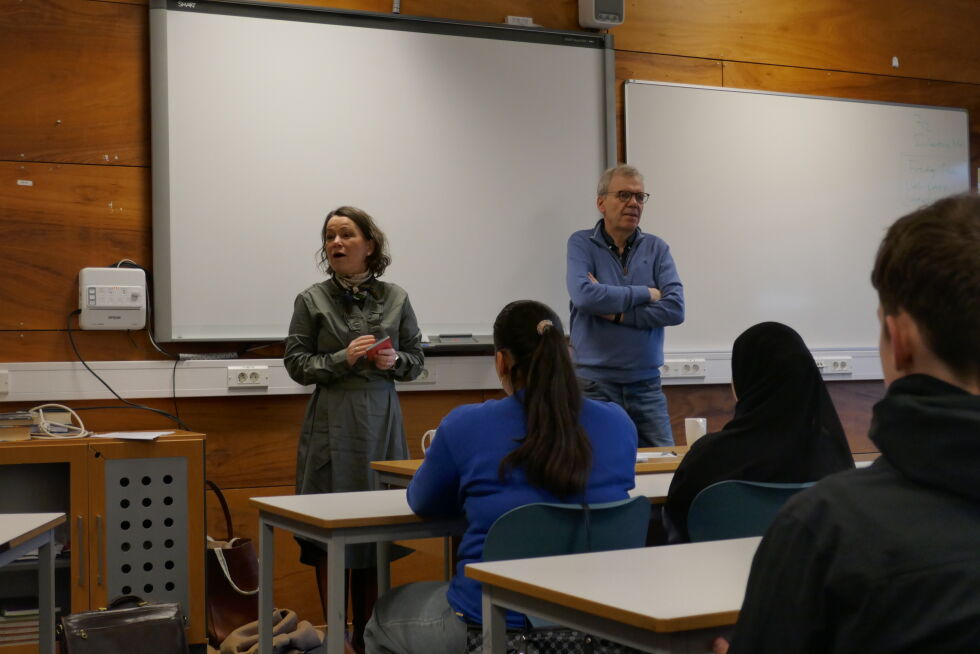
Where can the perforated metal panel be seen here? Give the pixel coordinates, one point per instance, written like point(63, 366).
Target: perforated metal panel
point(146, 529)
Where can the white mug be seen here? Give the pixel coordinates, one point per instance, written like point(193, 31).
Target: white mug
point(427, 439)
point(695, 428)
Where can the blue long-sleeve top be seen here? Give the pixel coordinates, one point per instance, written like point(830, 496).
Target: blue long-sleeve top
point(633, 349)
point(460, 477)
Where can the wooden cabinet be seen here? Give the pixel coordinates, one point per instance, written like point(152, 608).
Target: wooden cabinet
point(135, 521)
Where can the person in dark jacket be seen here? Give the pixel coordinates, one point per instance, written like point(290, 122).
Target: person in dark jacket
point(785, 427)
point(887, 559)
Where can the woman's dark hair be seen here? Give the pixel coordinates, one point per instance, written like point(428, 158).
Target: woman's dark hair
point(556, 453)
point(378, 260)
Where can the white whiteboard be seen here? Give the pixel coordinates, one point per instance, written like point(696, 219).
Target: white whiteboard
point(774, 204)
point(476, 150)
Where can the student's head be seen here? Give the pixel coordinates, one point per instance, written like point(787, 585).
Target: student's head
point(352, 243)
point(532, 356)
point(620, 216)
point(927, 274)
point(769, 357)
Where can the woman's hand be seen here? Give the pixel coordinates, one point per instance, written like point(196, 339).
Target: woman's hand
point(385, 360)
point(358, 347)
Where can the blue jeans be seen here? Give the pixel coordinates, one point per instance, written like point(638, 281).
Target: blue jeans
point(645, 403)
point(415, 618)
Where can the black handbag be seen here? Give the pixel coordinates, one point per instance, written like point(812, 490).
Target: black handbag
point(548, 640)
point(129, 625)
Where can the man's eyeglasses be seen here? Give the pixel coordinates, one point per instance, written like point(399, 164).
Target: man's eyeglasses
point(624, 196)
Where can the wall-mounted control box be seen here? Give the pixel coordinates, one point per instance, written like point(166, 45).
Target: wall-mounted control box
point(112, 298)
point(601, 14)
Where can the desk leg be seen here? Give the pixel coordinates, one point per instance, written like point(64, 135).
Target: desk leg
point(266, 580)
point(494, 624)
point(384, 567)
point(45, 585)
point(336, 600)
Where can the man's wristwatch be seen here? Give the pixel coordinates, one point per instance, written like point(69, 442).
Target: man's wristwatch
point(619, 318)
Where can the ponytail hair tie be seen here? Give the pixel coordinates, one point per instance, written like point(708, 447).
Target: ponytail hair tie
point(543, 325)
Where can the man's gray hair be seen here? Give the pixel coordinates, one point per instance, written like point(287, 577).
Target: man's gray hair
point(623, 170)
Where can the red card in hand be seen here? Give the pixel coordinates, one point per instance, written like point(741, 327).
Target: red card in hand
point(383, 344)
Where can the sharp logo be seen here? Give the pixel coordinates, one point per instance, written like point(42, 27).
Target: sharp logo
point(189, 5)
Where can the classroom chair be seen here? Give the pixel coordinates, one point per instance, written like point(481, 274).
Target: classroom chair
point(544, 529)
point(737, 509)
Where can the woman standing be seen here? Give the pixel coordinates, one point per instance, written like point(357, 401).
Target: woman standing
point(542, 443)
point(785, 427)
point(353, 416)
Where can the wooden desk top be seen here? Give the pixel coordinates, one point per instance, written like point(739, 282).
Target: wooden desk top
point(663, 589)
point(18, 528)
point(338, 510)
point(408, 467)
point(390, 507)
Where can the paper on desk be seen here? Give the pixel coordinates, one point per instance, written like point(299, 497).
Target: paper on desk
point(646, 456)
point(133, 435)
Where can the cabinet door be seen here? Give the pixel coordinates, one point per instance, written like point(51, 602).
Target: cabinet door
point(41, 476)
point(147, 505)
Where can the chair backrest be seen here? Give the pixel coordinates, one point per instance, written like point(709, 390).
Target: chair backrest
point(737, 509)
point(544, 529)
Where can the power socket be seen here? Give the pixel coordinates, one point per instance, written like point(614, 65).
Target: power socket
point(248, 376)
point(684, 368)
point(834, 365)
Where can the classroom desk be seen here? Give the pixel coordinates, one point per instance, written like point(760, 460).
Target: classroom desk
point(398, 473)
point(19, 534)
point(674, 598)
point(338, 519)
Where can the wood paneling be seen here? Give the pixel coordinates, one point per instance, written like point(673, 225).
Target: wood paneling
point(554, 14)
point(424, 411)
point(67, 218)
point(74, 82)
point(852, 399)
point(934, 40)
point(659, 68)
point(883, 88)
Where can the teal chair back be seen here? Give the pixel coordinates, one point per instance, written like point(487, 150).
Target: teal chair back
point(737, 509)
point(544, 529)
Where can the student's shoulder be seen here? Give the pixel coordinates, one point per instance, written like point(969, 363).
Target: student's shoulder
point(470, 416)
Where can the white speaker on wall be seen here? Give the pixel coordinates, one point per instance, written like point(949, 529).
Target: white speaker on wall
point(601, 14)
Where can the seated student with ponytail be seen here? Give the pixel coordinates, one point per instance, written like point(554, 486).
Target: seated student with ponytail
point(542, 443)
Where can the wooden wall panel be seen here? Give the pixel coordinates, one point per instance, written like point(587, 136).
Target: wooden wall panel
point(553, 14)
point(75, 82)
point(852, 399)
point(68, 217)
point(934, 40)
point(883, 88)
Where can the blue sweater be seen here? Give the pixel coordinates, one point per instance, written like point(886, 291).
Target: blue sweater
point(459, 476)
point(634, 349)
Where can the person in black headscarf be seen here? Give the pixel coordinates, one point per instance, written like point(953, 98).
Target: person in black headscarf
point(785, 427)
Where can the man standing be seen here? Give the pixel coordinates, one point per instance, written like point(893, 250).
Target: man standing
point(887, 559)
point(624, 290)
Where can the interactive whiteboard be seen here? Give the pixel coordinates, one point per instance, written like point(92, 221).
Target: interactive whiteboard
point(475, 147)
